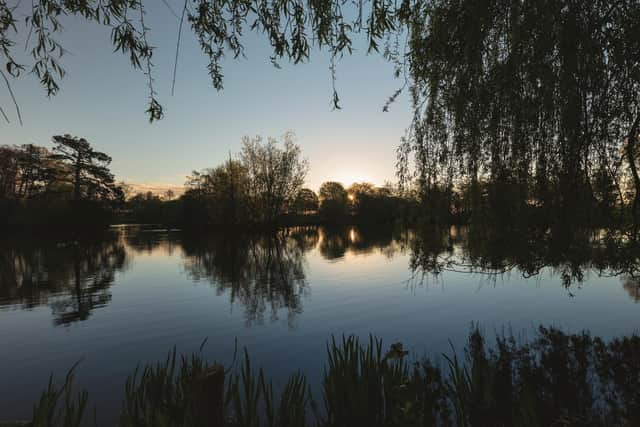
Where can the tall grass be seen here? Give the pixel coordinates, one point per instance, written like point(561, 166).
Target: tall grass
point(171, 393)
point(361, 385)
point(555, 379)
point(61, 405)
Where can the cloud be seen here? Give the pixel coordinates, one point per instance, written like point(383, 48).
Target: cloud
point(156, 188)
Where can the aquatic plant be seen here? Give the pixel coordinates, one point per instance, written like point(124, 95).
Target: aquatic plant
point(61, 406)
point(555, 379)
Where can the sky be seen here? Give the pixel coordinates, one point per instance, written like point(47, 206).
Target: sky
point(104, 100)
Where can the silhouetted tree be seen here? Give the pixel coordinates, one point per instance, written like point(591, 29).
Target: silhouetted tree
point(70, 187)
point(260, 187)
point(218, 26)
point(146, 208)
point(360, 189)
point(220, 195)
point(532, 95)
point(88, 169)
point(168, 195)
point(275, 175)
point(517, 93)
point(334, 201)
point(373, 204)
point(25, 171)
point(306, 201)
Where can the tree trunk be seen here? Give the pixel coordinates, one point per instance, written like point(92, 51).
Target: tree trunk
point(632, 138)
point(76, 182)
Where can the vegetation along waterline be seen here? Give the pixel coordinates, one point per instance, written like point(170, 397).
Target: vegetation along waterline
point(552, 379)
point(71, 186)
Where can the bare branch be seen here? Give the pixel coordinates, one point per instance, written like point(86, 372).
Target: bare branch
point(4, 115)
point(13, 97)
point(173, 12)
point(175, 64)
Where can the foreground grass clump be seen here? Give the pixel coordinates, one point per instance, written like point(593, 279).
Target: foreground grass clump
point(556, 379)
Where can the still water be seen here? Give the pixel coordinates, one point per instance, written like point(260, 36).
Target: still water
point(132, 294)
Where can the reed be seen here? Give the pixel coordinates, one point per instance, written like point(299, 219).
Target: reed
point(61, 405)
point(556, 379)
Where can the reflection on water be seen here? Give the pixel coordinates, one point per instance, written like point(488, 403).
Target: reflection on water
point(72, 277)
point(603, 253)
point(128, 296)
point(632, 286)
point(335, 242)
point(266, 272)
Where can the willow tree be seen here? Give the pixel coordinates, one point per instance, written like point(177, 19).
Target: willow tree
point(292, 27)
point(541, 94)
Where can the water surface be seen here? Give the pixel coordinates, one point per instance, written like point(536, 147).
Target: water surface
point(131, 294)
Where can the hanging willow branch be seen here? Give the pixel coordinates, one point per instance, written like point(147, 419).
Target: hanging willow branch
point(292, 27)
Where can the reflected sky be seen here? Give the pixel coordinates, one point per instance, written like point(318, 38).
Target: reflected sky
point(131, 295)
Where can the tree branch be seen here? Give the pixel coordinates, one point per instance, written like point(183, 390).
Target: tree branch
point(13, 97)
point(175, 63)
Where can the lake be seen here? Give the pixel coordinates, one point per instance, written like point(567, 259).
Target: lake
point(131, 294)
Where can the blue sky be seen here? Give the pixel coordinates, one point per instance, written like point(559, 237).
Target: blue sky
point(103, 100)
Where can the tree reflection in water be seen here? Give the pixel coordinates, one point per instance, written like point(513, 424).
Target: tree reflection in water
point(73, 277)
point(265, 272)
point(149, 240)
point(336, 242)
point(605, 253)
point(632, 286)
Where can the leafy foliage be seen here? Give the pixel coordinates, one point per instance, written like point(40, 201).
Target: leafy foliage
point(291, 28)
point(26, 171)
point(275, 175)
point(306, 201)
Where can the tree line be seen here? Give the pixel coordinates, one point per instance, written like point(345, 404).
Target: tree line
point(263, 185)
